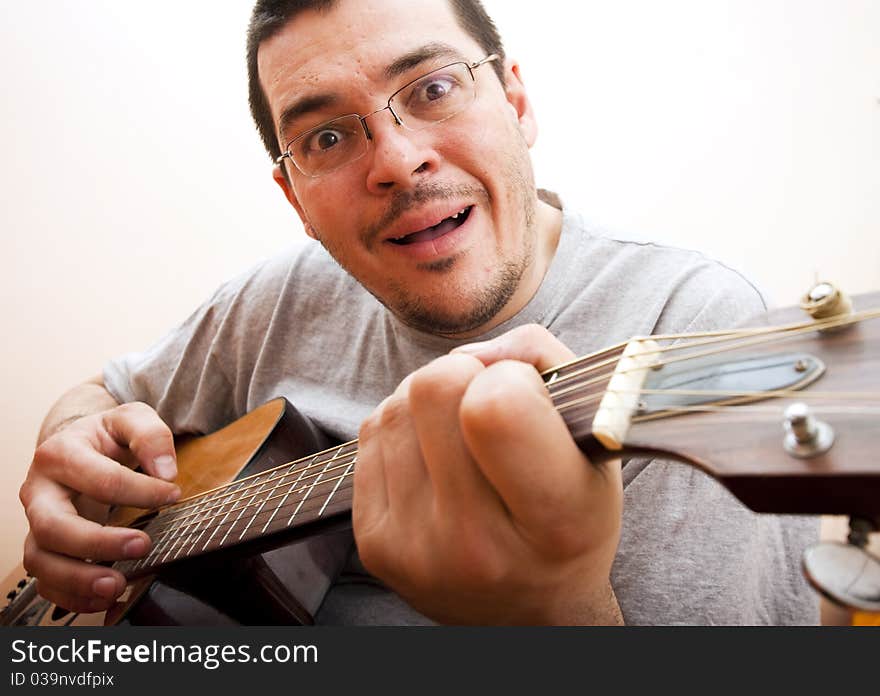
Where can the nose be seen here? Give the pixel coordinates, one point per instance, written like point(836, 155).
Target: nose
point(398, 157)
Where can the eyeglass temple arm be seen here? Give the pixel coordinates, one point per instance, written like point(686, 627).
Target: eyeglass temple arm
point(487, 59)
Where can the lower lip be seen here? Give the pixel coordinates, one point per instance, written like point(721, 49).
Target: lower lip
point(433, 249)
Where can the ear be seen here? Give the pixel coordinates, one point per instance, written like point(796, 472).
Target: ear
point(515, 91)
point(284, 182)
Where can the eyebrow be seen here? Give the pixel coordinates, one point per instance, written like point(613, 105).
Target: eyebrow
point(401, 65)
point(304, 106)
point(421, 55)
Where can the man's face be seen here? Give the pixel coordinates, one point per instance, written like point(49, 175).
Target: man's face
point(389, 218)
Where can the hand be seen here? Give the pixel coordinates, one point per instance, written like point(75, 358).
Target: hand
point(472, 501)
point(76, 474)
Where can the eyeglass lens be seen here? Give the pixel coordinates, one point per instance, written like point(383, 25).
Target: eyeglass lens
point(432, 98)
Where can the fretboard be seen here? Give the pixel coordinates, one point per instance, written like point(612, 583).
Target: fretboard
point(319, 486)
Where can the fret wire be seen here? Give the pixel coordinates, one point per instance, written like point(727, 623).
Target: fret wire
point(343, 463)
point(743, 342)
point(240, 513)
point(716, 336)
point(284, 497)
point(163, 533)
point(220, 524)
point(190, 527)
point(227, 489)
point(237, 486)
point(344, 474)
point(201, 527)
point(262, 505)
point(302, 508)
point(311, 488)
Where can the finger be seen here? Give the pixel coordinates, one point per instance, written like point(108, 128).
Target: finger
point(523, 447)
point(139, 427)
point(406, 478)
point(370, 498)
point(529, 343)
point(73, 584)
point(436, 392)
point(57, 527)
point(73, 462)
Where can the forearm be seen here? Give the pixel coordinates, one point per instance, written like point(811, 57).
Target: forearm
point(83, 400)
point(592, 607)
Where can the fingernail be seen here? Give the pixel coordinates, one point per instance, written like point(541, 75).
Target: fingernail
point(165, 467)
point(105, 587)
point(134, 548)
point(173, 496)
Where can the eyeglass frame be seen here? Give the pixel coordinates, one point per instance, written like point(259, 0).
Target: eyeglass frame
point(397, 120)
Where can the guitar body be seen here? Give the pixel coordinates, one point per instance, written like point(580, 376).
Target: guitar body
point(284, 585)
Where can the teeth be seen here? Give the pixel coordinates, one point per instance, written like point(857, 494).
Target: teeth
point(454, 217)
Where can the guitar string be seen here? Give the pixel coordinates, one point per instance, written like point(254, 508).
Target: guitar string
point(718, 335)
point(235, 492)
point(725, 336)
point(787, 331)
point(769, 394)
point(238, 489)
point(194, 501)
point(158, 548)
point(745, 343)
point(306, 489)
point(340, 491)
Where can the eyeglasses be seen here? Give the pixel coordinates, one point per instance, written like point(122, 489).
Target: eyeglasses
point(429, 99)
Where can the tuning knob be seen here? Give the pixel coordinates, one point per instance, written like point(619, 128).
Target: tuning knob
point(804, 435)
point(848, 574)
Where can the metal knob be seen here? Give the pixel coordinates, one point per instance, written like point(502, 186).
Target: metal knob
point(804, 435)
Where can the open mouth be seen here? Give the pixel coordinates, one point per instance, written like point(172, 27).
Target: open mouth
point(445, 226)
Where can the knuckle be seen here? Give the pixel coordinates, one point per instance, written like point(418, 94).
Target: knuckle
point(393, 413)
point(487, 402)
point(47, 453)
point(29, 559)
point(108, 485)
point(43, 526)
point(532, 333)
point(370, 550)
point(446, 376)
point(26, 492)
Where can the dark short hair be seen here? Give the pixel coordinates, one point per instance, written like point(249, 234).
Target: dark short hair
point(270, 16)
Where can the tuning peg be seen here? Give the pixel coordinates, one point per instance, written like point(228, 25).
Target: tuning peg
point(11, 595)
point(22, 582)
point(826, 300)
point(846, 573)
point(804, 435)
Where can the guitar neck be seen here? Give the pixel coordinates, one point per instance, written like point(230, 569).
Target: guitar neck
point(290, 500)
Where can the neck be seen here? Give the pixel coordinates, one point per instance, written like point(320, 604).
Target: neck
point(548, 228)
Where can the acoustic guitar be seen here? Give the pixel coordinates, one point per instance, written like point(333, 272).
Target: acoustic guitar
point(784, 413)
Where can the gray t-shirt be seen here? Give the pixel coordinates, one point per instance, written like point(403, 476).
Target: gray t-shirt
point(298, 326)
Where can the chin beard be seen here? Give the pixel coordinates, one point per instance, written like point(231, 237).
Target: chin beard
point(426, 316)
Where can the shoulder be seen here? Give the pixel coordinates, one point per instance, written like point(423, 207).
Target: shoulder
point(301, 271)
point(681, 289)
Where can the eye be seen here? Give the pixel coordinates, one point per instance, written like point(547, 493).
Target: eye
point(322, 139)
point(432, 89)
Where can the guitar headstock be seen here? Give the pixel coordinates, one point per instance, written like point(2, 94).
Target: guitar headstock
point(738, 432)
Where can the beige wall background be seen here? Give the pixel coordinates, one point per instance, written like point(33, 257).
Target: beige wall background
point(132, 181)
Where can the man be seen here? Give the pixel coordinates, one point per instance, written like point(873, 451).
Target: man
point(472, 502)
